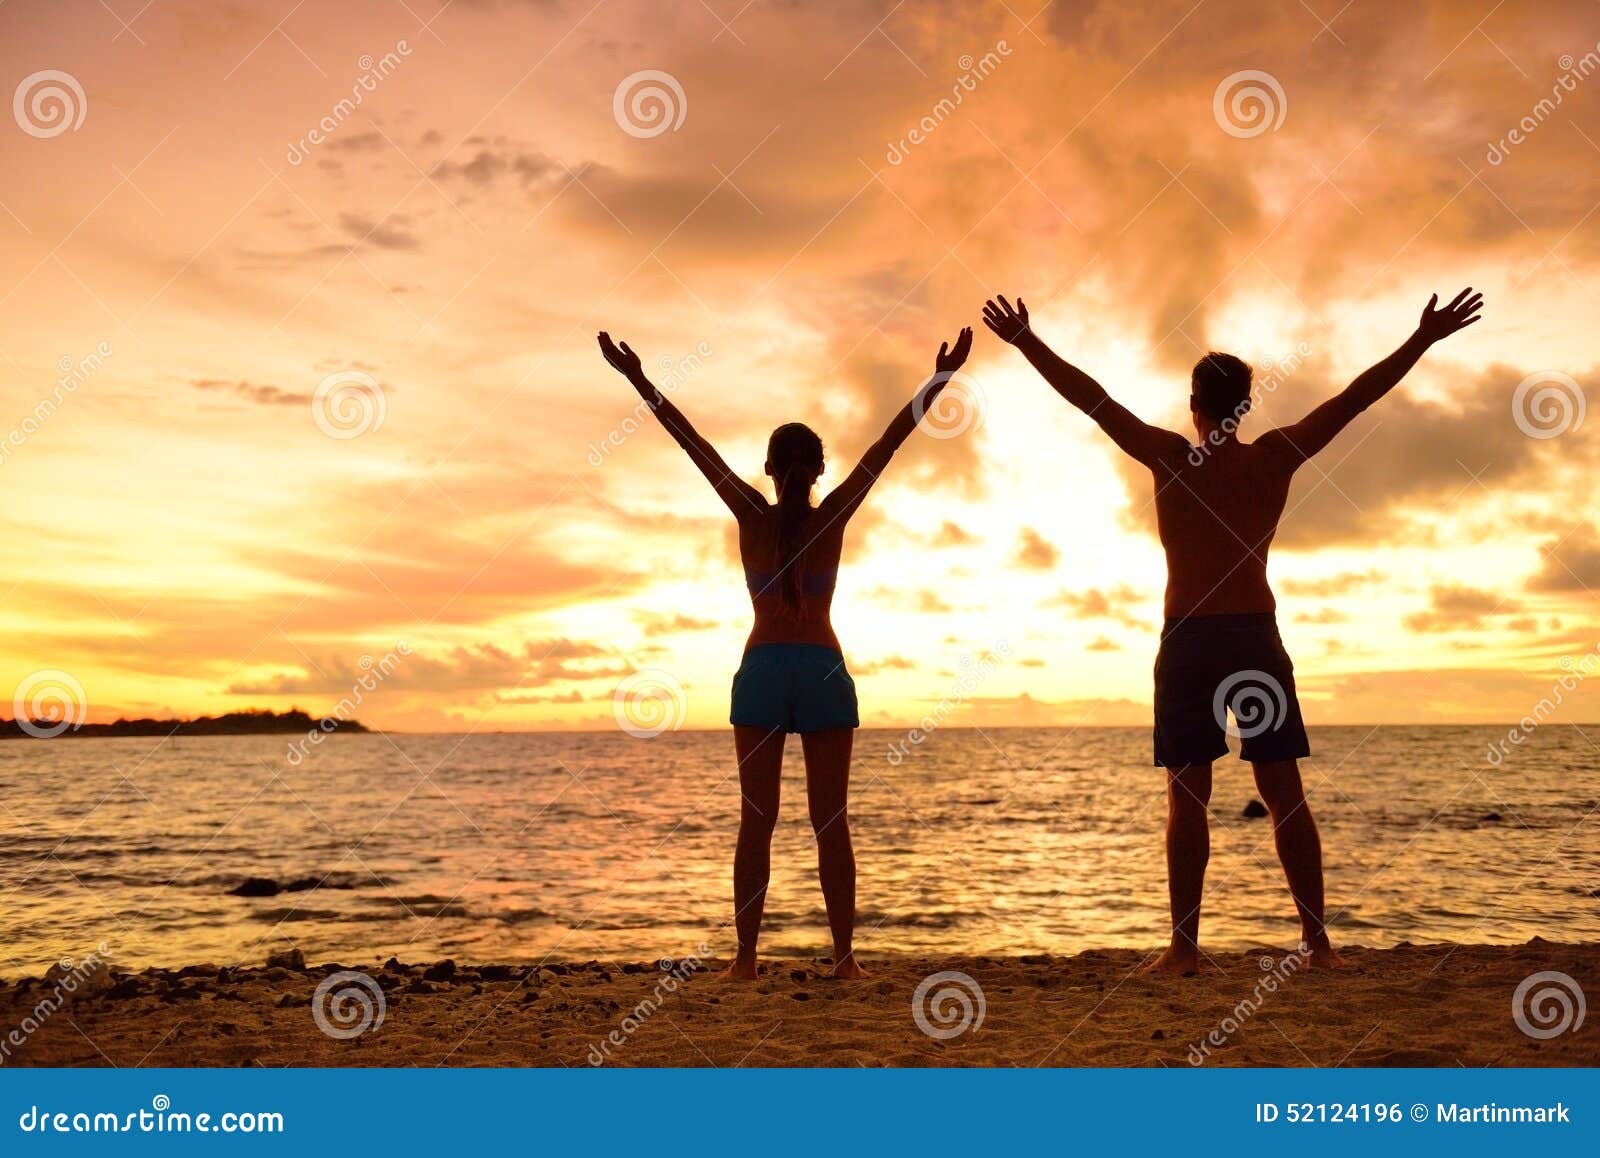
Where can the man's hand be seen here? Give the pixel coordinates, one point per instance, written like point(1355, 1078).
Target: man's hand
point(622, 359)
point(949, 361)
point(1458, 315)
point(1008, 324)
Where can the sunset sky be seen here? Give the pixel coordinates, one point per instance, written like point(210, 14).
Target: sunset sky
point(186, 537)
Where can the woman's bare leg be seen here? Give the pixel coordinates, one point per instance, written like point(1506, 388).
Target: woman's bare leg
point(827, 793)
point(760, 752)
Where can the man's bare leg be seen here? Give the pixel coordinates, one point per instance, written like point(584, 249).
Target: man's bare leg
point(1294, 831)
point(1188, 850)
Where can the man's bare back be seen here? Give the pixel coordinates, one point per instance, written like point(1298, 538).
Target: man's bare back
point(1216, 514)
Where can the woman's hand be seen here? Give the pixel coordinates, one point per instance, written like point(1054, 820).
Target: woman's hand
point(949, 361)
point(1008, 324)
point(622, 359)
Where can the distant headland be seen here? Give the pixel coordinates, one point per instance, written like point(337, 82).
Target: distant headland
point(248, 723)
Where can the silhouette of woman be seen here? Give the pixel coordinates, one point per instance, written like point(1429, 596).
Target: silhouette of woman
point(793, 677)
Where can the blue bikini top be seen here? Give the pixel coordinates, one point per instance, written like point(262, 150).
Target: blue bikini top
point(813, 584)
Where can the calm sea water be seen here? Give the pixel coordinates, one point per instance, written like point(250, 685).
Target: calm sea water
point(518, 847)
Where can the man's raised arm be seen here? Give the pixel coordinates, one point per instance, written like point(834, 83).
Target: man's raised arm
point(1313, 432)
point(1148, 444)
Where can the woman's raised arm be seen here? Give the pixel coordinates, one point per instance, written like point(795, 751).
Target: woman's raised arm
point(843, 500)
point(742, 498)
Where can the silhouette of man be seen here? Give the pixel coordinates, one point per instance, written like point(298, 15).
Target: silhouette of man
point(1217, 508)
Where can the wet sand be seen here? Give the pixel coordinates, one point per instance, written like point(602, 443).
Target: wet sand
point(1434, 1005)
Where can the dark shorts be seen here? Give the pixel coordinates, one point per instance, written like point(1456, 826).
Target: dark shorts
point(796, 687)
point(1211, 665)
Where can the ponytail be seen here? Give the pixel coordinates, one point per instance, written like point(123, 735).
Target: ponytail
point(794, 504)
point(794, 459)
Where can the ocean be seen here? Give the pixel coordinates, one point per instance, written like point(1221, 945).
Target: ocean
point(522, 847)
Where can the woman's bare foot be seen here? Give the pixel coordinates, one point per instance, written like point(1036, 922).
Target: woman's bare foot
point(742, 969)
point(847, 969)
point(1179, 962)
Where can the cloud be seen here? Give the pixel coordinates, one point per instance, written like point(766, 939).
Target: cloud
point(1341, 584)
point(1458, 608)
point(1036, 553)
point(392, 232)
point(1571, 564)
point(261, 394)
point(672, 625)
point(1102, 603)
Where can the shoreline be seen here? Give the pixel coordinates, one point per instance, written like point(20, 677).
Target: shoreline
point(1412, 1005)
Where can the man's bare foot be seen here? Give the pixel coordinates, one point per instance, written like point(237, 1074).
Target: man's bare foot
point(1325, 957)
point(742, 969)
point(847, 969)
point(1177, 962)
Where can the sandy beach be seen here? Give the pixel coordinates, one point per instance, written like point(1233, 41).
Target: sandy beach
point(1434, 1005)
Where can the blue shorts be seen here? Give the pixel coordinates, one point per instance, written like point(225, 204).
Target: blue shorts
point(795, 687)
